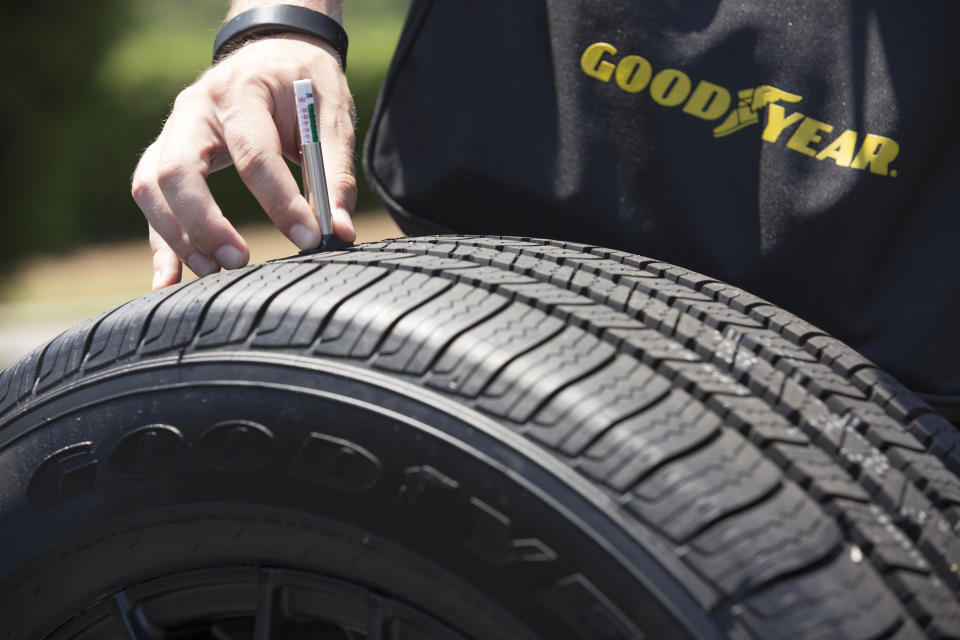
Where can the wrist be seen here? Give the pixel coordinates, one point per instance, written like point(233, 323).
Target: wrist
point(270, 19)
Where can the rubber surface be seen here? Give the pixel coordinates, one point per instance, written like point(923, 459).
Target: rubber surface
point(783, 485)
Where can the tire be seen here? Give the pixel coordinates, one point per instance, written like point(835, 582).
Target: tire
point(463, 436)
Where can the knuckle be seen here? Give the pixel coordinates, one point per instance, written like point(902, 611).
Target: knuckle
point(220, 92)
point(345, 182)
point(141, 189)
point(185, 98)
point(249, 160)
point(169, 173)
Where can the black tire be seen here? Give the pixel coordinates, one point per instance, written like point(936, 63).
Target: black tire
point(469, 436)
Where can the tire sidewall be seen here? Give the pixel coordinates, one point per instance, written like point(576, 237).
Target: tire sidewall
point(428, 501)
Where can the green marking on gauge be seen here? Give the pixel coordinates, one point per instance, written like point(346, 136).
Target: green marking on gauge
point(313, 122)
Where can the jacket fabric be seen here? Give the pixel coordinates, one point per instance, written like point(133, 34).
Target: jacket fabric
point(805, 151)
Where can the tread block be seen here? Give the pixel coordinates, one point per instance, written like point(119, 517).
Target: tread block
point(476, 255)
point(888, 547)
point(597, 316)
point(838, 355)
point(942, 438)
point(65, 354)
point(543, 295)
point(601, 289)
point(650, 345)
point(420, 336)
point(705, 378)
point(622, 257)
point(527, 382)
point(889, 392)
point(231, 315)
point(671, 292)
point(931, 603)
point(818, 473)
point(471, 361)
point(691, 279)
point(634, 447)
point(119, 334)
point(753, 416)
point(356, 327)
point(879, 428)
point(487, 277)
point(436, 246)
point(654, 313)
point(700, 488)
point(557, 254)
point(17, 380)
point(176, 320)
point(736, 298)
point(821, 380)
point(928, 472)
point(612, 270)
point(844, 599)
point(785, 533)
point(363, 257)
point(430, 264)
point(544, 270)
point(772, 346)
point(716, 314)
point(590, 406)
point(933, 534)
point(499, 243)
point(786, 324)
point(294, 317)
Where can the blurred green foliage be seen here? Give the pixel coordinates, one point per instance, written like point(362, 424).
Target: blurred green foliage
point(87, 87)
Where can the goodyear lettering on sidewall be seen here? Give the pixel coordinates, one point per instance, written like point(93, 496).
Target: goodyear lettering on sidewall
point(712, 102)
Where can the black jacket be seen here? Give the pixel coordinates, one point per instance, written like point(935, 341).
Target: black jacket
point(803, 150)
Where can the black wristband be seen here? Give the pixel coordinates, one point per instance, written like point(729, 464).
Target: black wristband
point(273, 19)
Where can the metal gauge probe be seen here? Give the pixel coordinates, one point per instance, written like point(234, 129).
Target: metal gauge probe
point(314, 177)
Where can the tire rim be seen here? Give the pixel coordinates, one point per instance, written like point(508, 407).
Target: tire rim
point(249, 603)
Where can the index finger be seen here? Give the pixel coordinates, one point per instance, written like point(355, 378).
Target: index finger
point(251, 136)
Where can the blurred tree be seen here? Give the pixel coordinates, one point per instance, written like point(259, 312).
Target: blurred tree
point(50, 53)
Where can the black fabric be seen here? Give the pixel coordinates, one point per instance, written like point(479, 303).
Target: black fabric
point(488, 123)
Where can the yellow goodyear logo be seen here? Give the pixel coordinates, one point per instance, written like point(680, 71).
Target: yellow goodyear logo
point(711, 102)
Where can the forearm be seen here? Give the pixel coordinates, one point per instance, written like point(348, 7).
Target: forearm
point(332, 8)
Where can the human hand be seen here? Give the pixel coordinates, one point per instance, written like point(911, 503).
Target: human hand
point(243, 110)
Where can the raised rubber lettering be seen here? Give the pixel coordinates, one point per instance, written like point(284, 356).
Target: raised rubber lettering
point(236, 445)
point(63, 476)
point(335, 462)
point(147, 451)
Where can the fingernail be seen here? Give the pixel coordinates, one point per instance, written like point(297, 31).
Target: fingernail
point(303, 237)
point(230, 257)
point(155, 283)
point(346, 221)
point(201, 264)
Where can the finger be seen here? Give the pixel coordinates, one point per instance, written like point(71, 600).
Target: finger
point(167, 268)
point(337, 139)
point(251, 137)
point(186, 146)
point(343, 225)
point(146, 192)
